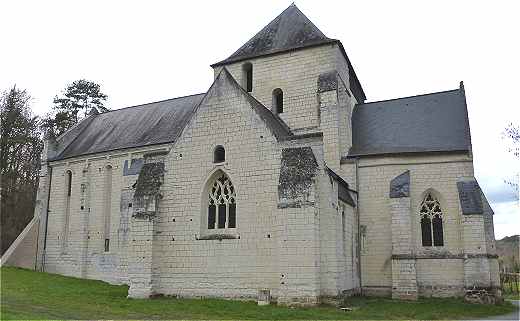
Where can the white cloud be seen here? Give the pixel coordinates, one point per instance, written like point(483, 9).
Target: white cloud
point(506, 219)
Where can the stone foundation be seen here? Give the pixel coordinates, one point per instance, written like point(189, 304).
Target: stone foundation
point(404, 279)
point(483, 295)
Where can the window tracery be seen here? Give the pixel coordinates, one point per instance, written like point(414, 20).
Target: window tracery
point(222, 203)
point(431, 221)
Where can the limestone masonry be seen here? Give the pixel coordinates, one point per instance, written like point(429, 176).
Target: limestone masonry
point(279, 183)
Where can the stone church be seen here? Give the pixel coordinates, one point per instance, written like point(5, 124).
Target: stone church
point(279, 180)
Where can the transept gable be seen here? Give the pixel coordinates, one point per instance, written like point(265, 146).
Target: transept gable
point(225, 88)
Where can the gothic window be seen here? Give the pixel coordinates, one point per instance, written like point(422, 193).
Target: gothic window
point(219, 154)
point(278, 100)
point(222, 205)
point(247, 76)
point(431, 221)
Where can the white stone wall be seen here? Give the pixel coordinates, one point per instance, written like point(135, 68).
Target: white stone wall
point(274, 248)
point(83, 254)
point(233, 267)
point(440, 277)
point(296, 73)
point(338, 242)
point(404, 270)
point(437, 172)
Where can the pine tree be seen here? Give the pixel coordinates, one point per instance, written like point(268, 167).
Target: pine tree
point(76, 102)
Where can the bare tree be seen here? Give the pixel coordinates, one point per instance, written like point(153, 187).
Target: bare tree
point(512, 134)
point(20, 149)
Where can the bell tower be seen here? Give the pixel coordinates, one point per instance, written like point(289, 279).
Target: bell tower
point(301, 75)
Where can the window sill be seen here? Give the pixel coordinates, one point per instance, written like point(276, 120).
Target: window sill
point(217, 236)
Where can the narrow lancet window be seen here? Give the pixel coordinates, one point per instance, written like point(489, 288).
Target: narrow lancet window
point(107, 206)
point(69, 183)
point(247, 76)
point(66, 221)
point(222, 208)
point(431, 221)
point(278, 100)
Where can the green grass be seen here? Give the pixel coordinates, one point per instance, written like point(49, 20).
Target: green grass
point(32, 295)
point(511, 296)
point(510, 290)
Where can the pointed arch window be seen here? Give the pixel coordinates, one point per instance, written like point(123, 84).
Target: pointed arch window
point(278, 100)
point(431, 221)
point(222, 207)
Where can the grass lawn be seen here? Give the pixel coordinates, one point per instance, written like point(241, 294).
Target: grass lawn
point(31, 295)
point(511, 290)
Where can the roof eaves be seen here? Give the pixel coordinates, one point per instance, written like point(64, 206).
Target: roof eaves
point(110, 150)
point(402, 152)
point(273, 52)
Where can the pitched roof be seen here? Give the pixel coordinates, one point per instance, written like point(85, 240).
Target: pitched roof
point(436, 122)
point(289, 30)
point(149, 124)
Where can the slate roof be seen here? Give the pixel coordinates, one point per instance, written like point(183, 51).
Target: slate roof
point(470, 196)
point(289, 30)
point(149, 124)
point(154, 123)
point(436, 122)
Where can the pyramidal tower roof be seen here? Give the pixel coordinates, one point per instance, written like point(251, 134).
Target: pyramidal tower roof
point(290, 30)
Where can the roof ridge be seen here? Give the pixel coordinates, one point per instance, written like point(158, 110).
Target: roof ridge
point(153, 102)
point(412, 96)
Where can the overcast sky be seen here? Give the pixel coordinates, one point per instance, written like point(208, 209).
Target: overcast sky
point(151, 50)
